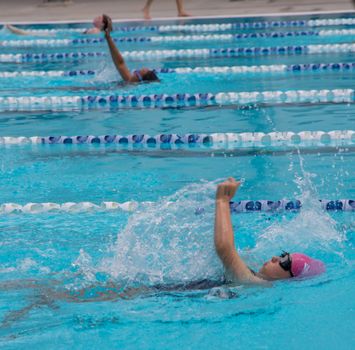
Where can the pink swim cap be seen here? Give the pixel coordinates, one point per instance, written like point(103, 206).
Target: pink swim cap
point(304, 266)
point(98, 22)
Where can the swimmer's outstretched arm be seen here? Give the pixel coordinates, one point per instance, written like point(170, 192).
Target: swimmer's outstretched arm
point(16, 30)
point(19, 31)
point(224, 236)
point(115, 53)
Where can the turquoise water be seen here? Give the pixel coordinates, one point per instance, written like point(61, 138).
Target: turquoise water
point(86, 280)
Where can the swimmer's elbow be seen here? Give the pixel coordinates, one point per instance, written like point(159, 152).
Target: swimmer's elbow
point(224, 252)
point(124, 72)
point(227, 255)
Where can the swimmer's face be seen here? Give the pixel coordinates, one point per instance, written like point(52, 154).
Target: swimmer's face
point(272, 270)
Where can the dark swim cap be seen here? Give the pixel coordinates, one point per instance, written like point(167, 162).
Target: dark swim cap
point(150, 76)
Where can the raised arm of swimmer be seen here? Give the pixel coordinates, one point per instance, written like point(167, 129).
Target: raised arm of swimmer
point(137, 76)
point(284, 266)
point(235, 267)
point(115, 54)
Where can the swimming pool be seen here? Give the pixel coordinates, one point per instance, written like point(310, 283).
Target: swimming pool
point(268, 100)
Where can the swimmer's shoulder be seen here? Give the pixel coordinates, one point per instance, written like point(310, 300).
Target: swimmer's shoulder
point(253, 278)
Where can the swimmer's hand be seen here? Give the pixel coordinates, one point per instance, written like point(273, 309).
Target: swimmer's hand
point(226, 190)
point(107, 27)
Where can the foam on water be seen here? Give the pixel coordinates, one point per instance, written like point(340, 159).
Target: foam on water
point(166, 242)
point(106, 72)
point(312, 231)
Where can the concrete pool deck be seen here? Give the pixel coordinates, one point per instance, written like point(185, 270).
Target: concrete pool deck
point(17, 11)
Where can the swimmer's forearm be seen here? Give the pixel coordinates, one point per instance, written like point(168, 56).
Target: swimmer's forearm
point(16, 30)
point(118, 59)
point(223, 229)
point(115, 54)
point(224, 244)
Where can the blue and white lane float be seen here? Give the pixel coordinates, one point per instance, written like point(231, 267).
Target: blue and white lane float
point(170, 39)
point(53, 73)
point(175, 100)
point(244, 206)
point(214, 26)
point(247, 25)
point(274, 68)
point(182, 53)
point(214, 140)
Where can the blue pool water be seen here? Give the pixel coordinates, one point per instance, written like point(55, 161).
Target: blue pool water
point(85, 278)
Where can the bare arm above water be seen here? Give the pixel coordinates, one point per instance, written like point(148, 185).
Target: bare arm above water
point(224, 236)
point(117, 58)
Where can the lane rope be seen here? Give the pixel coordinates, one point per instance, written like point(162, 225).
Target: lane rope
point(215, 26)
point(169, 39)
point(50, 73)
point(244, 206)
point(166, 100)
point(219, 140)
point(275, 68)
point(184, 53)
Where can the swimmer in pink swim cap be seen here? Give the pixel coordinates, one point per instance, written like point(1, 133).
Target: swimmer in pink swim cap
point(277, 268)
point(139, 75)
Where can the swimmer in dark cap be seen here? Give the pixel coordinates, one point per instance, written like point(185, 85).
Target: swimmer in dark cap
point(277, 268)
point(141, 75)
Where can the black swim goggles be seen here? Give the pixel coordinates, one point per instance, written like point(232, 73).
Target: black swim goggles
point(286, 262)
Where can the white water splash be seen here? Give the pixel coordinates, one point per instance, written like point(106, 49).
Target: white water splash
point(105, 72)
point(312, 230)
point(85, 265)
point(166, 242)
